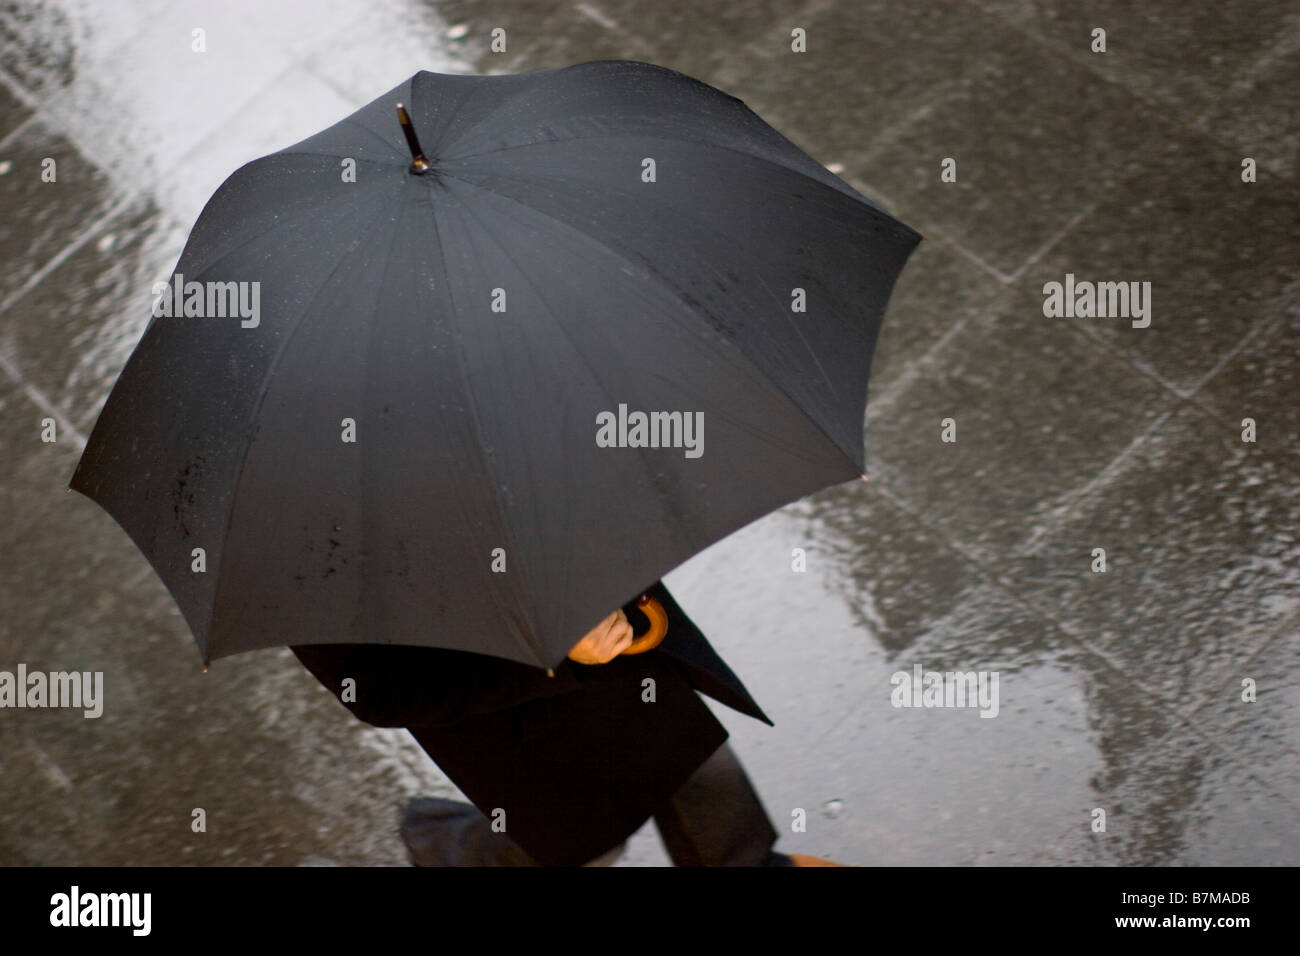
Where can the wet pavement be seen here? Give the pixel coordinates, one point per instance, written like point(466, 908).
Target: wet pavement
point(1118, 690)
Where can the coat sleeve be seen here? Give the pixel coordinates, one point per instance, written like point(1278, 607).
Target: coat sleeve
point(402, 686)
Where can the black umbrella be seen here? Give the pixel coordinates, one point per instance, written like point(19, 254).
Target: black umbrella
point(473, 386)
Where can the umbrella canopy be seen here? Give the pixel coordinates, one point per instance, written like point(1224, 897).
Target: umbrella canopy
point(605, 318)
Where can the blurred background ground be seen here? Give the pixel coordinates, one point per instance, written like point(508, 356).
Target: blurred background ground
point(1118, 690)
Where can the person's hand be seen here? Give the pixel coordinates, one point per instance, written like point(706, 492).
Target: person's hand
point(608, 639)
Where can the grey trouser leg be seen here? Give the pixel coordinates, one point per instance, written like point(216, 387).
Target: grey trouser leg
point(440, 832)
point(716, 818)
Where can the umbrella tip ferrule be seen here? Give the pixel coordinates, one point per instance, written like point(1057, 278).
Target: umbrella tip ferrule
point(419, 162)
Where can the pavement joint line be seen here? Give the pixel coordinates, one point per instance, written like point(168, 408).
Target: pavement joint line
point(1132, 360)
point(873, 193)
point(1228, 755)
point(1284, 45)
point(1138, 365)
point(905, 378)
point(310, 59)
point(48, 764)
point(992, 270)
point(1046, 247)
point(1234, 431)
point(757, 47)
point(328, 80)
point(1191, 400)
point(1264, 785)
point(1182, 392)
point(1106, 836)
point(1235, 670)
point(140, 576)
point(42, 401)
point(1289, 623)
point(1087, 330)
point(925, 109)
point(47, 115)
point(1073, 499)
point(1051, 521)
point(1287, 44)
point(1189, 397)
point(810, 9)
point(1078, 494)
point(889, 135)
point(20, 93)
point(929, 228)
point(999, 580)
point(19, 130)
point(123, 203)
point(914, 370)
point(1257, 331)
point(1058, 48)
point(594, 14)
point(908, 375)
point(1160, 702)
point(271, 84)
point(159, 8)
point(948, 91)
point(881, 485)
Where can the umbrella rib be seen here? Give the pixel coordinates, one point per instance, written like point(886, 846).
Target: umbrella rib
point(641, 456)
point(365, 471)
point(789, 317)
point(860, 202)
point(261, 399)
point(288, 223)
point(848, 191)
point(357, 159)
point(686, 305)
point(538, 652)
point(490, 114)
point(353, 124)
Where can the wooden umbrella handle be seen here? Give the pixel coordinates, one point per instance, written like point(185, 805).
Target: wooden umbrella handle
point(658, 618)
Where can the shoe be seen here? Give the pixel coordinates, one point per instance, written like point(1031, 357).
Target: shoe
point(802, 859)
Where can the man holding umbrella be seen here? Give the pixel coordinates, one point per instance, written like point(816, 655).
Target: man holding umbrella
point(568, 766)
point(398, 465)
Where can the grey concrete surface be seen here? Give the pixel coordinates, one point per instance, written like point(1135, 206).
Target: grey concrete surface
point(1118, 690)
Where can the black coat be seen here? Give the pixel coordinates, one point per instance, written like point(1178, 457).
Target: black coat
point(577, 761)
